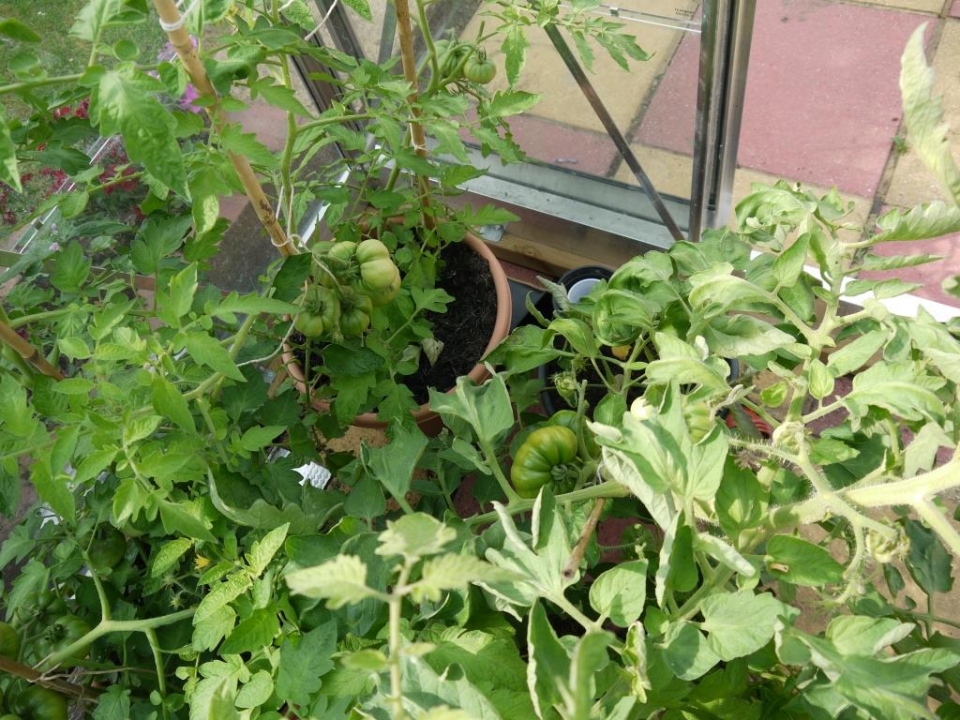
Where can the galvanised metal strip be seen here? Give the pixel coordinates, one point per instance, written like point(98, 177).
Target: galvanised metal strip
point(623, 147)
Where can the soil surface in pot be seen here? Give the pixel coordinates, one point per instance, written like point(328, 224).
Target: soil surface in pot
point(464, 329)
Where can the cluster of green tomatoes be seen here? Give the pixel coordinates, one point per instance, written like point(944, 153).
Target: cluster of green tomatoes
point(459, 61)
point(353, 278)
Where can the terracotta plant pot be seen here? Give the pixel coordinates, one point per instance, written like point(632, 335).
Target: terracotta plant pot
point(428, 421)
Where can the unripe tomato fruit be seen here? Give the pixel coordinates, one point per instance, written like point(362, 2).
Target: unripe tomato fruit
point(480, 69)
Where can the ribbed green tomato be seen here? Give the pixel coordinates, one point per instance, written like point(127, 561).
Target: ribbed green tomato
point(355, 309)
point(381, 280)
point(568, 419)
point(541, 459)
point(320, 313)
point(480, 69)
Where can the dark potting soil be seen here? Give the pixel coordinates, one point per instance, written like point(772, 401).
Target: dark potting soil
point(466, 326)
point(464, 329)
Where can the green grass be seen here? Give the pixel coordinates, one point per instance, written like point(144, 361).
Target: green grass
point(60, 52)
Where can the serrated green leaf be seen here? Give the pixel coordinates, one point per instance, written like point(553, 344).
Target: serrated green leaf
point(9, 170)
point(71, 269)
point(340, 581)
point(923, 115)
point(487, 408)
point(800, 562)
point(256, 691)
point(169, 402)
point(258, 437)
point(855, 354)
point(113, 704)
point(168, 556)
point(415, 536)
point(17, 31)
point(451, 572)
point(361, 7)
point(208, 351)
point(183, 518)
point(512, 102)
point(687, 652)
point(253, 633)
point(219, 596)
point(120, 104)
point(138, 428)
point(393, 465)
point(929, 562)
point(54, 490)
point(262, 551)
point(251, 305)
point(304, 661)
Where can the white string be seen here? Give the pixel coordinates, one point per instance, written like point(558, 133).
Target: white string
point(323, 21)
point(170, 27)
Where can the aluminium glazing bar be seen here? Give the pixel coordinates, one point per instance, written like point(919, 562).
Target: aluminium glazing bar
point(623, 147)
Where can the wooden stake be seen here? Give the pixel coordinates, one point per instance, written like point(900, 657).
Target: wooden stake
point(180, 39)
point(576, 555)
point(28, 352)
point(417, 135)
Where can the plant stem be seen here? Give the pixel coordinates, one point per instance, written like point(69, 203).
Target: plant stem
point(395, 603)
point(12, 667)
point(490, 456)
point(605, 490)
point(42, 82)
point(46, 315)
point(161, 673)
point(105, 627)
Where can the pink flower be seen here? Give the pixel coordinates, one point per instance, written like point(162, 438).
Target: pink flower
point(186, 100)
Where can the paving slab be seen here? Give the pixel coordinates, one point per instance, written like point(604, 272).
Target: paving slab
point(575, 148)
point(622, 93)
point(955, 9)
point(912, 183)
point(670, 172)
point(930, 275)
point(822, 104)
point(929, 6)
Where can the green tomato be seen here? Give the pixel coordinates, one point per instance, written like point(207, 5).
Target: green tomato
point(320, 313)
point(542, 458)
point(380, 280)
point(9, 641)
point(480, 69)
point(355, 309)
point(64, 631)
point(371, 249)
point(568, 419)
point(40, 703)
point(107, 549)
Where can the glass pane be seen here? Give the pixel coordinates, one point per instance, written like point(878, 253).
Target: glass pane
point(570, 153)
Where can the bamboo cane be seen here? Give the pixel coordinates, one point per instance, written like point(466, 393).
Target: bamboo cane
point(27, 351)
point(417, 135)
point(180, 39)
